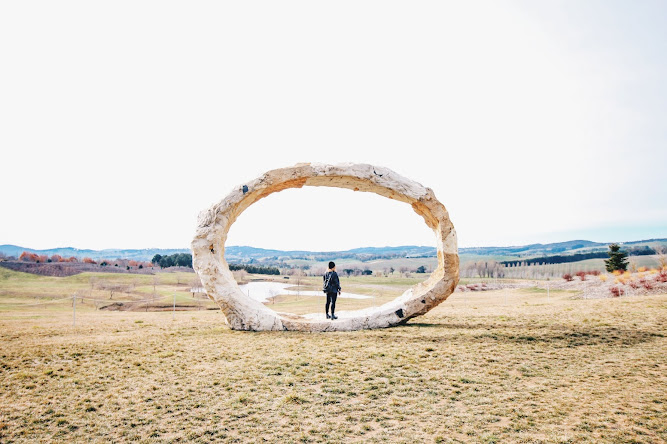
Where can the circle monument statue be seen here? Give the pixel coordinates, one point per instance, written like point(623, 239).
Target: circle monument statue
point(243, 313)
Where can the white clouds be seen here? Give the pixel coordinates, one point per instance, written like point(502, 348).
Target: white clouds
point(511, 112)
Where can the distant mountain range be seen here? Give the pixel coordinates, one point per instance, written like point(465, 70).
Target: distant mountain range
point(139, 255)
point(246, 253)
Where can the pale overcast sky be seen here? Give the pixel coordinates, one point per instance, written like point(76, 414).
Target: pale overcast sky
point(531, 121)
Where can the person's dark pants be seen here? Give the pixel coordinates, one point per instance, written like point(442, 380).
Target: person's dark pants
point(331, 300)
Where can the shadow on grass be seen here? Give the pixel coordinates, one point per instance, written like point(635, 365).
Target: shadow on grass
point(558, 336)
point(422, 325)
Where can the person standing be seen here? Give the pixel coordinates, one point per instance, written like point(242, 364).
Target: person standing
point(332, 289)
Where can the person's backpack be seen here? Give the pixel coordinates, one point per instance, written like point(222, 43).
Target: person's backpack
point(327, 279)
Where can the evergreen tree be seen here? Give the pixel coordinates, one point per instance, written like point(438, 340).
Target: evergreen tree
point(166, 261)
point(617, 259)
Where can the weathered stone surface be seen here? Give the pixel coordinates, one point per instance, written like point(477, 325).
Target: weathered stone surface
point(243, 313)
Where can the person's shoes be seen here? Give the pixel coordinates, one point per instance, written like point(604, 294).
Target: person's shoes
point(328, 316)
point(333, 316)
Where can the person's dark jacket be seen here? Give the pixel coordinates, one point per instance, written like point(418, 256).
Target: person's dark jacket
point(334, 283)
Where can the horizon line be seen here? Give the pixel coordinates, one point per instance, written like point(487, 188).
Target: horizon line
point(333, 251)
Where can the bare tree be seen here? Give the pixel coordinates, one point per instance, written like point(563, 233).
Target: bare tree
point(317, 271)
point(661, 251)
point(468, 269)
point(481, 268)
point(113, 287)
point(633, 265)
point(272, 295)
point(298, 274)
point(491, 268)
point(240, 276)
point(195, 286)
point(93, 282)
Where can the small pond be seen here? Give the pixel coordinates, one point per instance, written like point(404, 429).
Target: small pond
point(263, 291)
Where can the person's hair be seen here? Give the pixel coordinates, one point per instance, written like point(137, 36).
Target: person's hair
point(331, 265)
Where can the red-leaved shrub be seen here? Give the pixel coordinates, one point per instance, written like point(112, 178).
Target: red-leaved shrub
point(662, 276)
point(616, 292)
point(568, 277)
point(582, 274)
point(28, 257)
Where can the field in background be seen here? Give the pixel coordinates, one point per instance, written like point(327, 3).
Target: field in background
point(430, 263)
point(95, 291)
point(552, 271)
point(166, 290)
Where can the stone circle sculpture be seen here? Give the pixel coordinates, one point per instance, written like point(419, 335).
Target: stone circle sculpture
point(243, 313)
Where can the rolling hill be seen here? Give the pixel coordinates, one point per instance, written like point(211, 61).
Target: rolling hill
point(248, 254)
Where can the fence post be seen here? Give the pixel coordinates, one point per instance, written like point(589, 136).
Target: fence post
point(547, 291)
point(173, 313)
point(74, 310)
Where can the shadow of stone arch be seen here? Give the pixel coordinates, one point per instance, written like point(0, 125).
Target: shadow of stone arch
point(243, 313)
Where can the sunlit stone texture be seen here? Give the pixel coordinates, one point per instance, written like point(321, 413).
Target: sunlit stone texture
point(243, 313)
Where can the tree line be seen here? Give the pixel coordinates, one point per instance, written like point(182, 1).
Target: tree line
point(557, 259)
point(27, 256)
point(561, 259)
point(173, 260)
point(255, 269)
point(489, 269)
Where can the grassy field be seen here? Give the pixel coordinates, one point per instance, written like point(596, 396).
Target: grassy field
point(499, 366)
point(95, 290)
point(396, 263)
point(381, 289)
point(530, 272)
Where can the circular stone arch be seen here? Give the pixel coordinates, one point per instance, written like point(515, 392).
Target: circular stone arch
point(244, 313)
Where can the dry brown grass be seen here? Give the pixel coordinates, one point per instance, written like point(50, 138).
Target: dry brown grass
point(476, 369)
